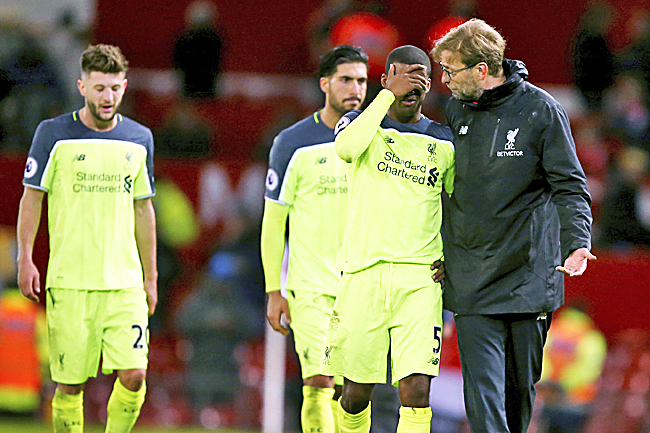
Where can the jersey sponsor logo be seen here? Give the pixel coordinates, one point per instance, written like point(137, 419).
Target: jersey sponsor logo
point(30, 167)
point(101, 183)
point(406, 169)
point(509, 148)
point(272, 180)
point(463, 130)
point(128, 183)
point(433, 177)
point(341, 124)
point(332, 185)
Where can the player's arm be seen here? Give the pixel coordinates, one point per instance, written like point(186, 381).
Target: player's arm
point(354, 139)
point(29, 218)
point(145, 237)
point(272, 247)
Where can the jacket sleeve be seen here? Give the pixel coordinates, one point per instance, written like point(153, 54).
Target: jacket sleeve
point(353, 138)
point(567, 181)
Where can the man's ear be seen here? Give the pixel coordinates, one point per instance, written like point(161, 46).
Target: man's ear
point(483, 70)
point(324, 84)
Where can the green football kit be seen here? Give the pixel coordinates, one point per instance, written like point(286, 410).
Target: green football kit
point(307, 178)
point(387, 298)
point(92, 179)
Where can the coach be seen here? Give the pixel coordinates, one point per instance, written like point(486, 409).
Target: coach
point(520, 209)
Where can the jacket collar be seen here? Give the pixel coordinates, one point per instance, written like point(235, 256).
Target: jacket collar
point(515, 72)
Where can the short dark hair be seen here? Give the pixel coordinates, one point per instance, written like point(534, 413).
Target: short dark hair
point(409, 55)
point(103, 58)
point(339, 55)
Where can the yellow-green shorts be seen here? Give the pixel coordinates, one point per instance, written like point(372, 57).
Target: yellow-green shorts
point(310, 315)
point(388, 305)
point(86, 324)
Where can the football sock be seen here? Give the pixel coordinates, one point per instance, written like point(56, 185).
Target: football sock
point(68, 412)
point(354, 423)
point(335, 408)
point(124, 408)
point(316, 413)
point(414, 420)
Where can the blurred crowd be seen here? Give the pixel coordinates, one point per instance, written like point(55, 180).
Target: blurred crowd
point(211, 152)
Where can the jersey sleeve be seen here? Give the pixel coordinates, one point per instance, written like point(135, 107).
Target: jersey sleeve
point(38, 160)
point(450, 173)
point(353, 138)
point(282, 176)
point(144, 186)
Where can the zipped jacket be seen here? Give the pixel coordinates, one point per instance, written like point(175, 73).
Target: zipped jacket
point(520, 204)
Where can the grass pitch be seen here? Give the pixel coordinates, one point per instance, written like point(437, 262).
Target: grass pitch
point(32, 426)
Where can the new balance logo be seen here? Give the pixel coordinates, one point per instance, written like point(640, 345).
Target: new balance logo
point(463, 130)
point(388, 140)
point(322, 160)
point(434, 360)
point(81, 157)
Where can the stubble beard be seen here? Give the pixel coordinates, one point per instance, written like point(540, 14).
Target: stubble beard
point(468, 90)
point(97, 115)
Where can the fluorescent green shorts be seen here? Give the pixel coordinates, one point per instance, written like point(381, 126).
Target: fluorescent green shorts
point(310, 316)
point(388, 305)
point(84, 324)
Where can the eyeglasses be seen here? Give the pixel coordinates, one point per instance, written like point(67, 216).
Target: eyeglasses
point(451, 72)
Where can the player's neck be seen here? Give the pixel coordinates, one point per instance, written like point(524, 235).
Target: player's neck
point(329, 116)
point(93, 123)
point(392, 114)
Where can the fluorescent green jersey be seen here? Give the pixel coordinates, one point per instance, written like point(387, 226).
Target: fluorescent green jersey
point(91, 179)
point(396, 175)
point(306, 175)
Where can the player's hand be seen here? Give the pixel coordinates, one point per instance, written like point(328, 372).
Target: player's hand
point(29, 280)
point(438, 269)
point(402, 79)
point(151, 289)
point(576, 264)
point(275, 308)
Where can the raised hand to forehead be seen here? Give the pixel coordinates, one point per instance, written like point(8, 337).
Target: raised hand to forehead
point(402, 79)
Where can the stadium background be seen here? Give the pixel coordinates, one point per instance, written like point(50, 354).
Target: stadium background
point(266, 69)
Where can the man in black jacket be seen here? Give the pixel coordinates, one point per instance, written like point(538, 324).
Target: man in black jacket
point(520, 213)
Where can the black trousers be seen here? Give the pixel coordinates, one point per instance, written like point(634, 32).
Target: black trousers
point(501, 360)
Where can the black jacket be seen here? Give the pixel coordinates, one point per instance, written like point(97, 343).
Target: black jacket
point(520, 204)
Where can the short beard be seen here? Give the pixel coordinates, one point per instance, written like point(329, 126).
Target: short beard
point(95, 113)
point(472, 93)
point(340, 107)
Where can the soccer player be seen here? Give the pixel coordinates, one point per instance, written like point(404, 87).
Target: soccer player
point(96, 167)
point(398, 162)
point(307, 183)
